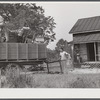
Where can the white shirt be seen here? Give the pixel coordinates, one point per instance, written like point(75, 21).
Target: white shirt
point(63, 55)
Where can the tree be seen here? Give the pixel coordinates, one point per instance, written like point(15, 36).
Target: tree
point(27, 20)
point(52, 55)
point(62, 44)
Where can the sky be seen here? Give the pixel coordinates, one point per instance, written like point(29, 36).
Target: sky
point(66, 14)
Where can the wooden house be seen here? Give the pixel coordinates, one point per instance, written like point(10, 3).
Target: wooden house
point(86, 38)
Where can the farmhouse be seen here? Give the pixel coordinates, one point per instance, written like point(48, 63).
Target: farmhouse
point(86, 38)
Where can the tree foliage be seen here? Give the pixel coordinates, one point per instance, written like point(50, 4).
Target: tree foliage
point(18, 16)
point(61, 44)
point(52, 55)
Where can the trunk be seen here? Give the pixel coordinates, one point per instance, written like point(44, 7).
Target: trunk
point(6, 35)
point(34, 35)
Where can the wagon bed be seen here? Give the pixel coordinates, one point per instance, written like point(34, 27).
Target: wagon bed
point(24, 54)
point(22, 51)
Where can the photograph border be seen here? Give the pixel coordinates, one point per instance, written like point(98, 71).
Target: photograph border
point(50, 94)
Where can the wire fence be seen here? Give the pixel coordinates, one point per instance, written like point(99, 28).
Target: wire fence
point(87, 65)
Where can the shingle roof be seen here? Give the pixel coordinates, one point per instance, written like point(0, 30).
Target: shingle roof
point(84, 25)
point(86, 38)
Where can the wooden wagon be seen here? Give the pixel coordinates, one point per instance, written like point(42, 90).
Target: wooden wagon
point(22, 53)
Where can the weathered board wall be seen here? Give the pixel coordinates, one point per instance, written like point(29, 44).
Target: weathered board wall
point(83, 52)
point(42, 51)
point(13, 51)
point(98, 51)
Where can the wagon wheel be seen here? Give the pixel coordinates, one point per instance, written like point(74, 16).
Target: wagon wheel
point(2, 68)
point(13, 70)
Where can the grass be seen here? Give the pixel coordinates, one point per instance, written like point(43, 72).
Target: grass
point(66, 81)
point(42, 79)
point(12, 78)
point(45, 80)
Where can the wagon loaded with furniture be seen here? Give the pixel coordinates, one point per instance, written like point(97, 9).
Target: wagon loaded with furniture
point(22, 53)
point(18, 47)
point(13, 53)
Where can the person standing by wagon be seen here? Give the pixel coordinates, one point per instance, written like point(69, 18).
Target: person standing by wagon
point(63, 57)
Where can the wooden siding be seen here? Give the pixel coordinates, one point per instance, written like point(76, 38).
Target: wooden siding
point(12, 51)
point(99, 51)
point(86, 38)
point(42, 51)
point(32, 51)
point(3, 51)
point(22, 51)
point(19, 51)
point(83, 52)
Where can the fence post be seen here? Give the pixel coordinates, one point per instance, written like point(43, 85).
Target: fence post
point(72, 48)
point(47, 66)
point(60, 66)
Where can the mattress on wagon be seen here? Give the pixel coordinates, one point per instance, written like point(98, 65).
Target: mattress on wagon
point(13, 51)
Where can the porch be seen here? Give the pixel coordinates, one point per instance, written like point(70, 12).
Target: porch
point(89, 54)
point(88, 51)
point(87, 46)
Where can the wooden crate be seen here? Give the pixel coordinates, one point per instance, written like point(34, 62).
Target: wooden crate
point(42, 51)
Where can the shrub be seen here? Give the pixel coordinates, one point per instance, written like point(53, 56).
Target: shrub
point(14, 78)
